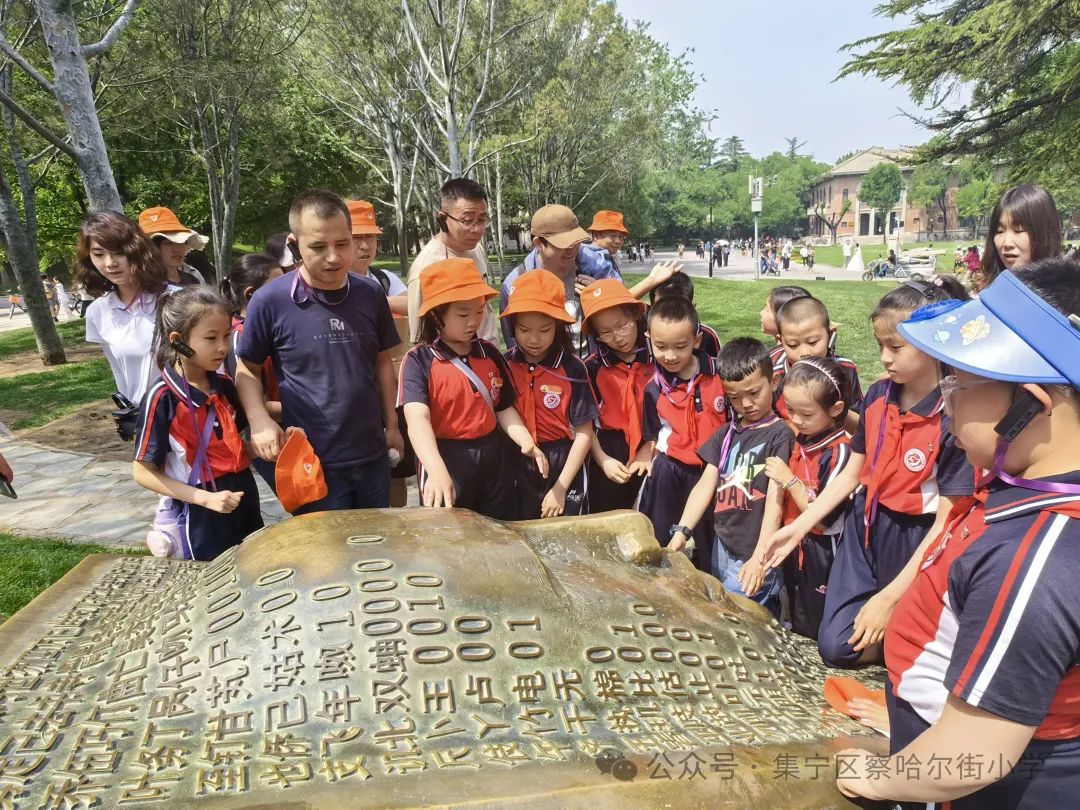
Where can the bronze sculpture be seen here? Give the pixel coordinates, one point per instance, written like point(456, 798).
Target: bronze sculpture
point(401, 658)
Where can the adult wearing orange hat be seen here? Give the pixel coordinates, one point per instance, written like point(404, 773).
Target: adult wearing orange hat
point(365, 237)
point(174, 241)
point(608, 233)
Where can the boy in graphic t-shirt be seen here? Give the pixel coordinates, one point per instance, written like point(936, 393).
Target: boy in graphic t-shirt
point(734, 481)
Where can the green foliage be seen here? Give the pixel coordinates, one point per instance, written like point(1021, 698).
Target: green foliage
point(21, 341)
point(1017, 61)
point(881, 188)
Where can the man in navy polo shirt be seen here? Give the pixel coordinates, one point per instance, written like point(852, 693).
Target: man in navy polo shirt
point(330, 335)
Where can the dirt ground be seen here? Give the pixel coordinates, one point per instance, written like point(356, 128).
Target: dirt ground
point(90, 429)
point(30, 362)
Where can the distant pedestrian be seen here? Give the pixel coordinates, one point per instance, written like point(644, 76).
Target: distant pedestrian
point(846, 251)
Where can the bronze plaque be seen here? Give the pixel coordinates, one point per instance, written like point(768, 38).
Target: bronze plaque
point(406, 658)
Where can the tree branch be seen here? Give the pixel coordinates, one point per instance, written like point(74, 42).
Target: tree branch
point(29, 69)
point(114, 32)
point(28, 119)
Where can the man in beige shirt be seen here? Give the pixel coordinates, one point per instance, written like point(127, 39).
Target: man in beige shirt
point(463, 219)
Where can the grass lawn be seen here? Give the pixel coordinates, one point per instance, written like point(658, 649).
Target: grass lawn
point(48, 395)
point(833, 254)
point(28, 565)
point(733, 309)
point(18, 341)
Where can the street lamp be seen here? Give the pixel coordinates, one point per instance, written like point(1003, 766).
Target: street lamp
point(755, 207)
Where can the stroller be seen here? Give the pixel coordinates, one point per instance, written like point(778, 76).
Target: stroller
point(770, 266)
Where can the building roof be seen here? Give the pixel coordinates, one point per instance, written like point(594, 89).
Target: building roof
point(867, 159)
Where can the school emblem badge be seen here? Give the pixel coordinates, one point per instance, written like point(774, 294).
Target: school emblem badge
point(718, 404)
point(552, 400)
point(915, 460)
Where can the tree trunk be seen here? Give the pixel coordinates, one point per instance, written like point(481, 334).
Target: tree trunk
point(23, 258)
point(499, 216)
point(76, 96)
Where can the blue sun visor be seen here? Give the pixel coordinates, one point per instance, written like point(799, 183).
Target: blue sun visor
point(1008, 333)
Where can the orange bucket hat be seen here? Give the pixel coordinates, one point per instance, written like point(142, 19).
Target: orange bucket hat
point(298, 474)
point(838, 691)
point(538, 291)
point(362, 214)
point(161, 221)
point(452, 280)
point(608, 221)
point(605, 294)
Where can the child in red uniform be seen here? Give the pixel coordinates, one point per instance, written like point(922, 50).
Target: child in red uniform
point(684, 406)
point(620, 369)
point(248, 273)
point(680, 284)
point(817, 392)
point(805, 330)
point(908, 484)
point(554, 397)
point(778, 296)
point(188, 446)
point(982, 649)
point(457, 392)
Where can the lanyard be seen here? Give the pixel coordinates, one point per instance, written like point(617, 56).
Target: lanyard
point(307, 291)
point(1025, 483)
point(725, 448)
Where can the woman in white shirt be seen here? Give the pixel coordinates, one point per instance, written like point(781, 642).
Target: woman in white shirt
point(118, 265)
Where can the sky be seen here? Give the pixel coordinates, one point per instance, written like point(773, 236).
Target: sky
point(768, 67)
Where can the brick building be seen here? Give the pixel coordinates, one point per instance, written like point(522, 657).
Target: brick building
point(862, 223)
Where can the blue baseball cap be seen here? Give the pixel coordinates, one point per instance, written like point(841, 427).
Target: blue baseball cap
point(1008, 333)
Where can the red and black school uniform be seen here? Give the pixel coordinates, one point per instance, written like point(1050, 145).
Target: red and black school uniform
point(710, 341)
point(680, 416)
point(466, 430)
point(993, 618)
point(815, 460)
point(778, 358)
point(168, 438)
point(847, 366)
point(620, 391)
point(271, 392)
point(911, 459)
point(553, 397)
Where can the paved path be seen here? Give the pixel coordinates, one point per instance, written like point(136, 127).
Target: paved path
point(741, 268)
point(78, 497)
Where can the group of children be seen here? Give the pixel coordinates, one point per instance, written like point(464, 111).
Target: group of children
point(766, 463)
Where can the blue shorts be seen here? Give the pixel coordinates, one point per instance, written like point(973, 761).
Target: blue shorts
point(726, 567)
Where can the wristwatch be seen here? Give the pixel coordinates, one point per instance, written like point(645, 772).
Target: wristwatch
point(676, 528)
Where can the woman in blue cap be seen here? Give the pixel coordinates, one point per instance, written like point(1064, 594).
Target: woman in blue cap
point(983, 649)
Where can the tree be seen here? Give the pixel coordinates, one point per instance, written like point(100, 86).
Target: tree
point(794, 145)
point(930, 184)
point(881, 189)
point(1016, 61)
point(458, 58)
point(974, 201)
point(832, 220)
point(732, 151)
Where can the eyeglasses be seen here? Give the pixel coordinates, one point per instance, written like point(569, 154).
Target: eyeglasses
point(951, 384)
point(470, 224)
point(620, 331)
